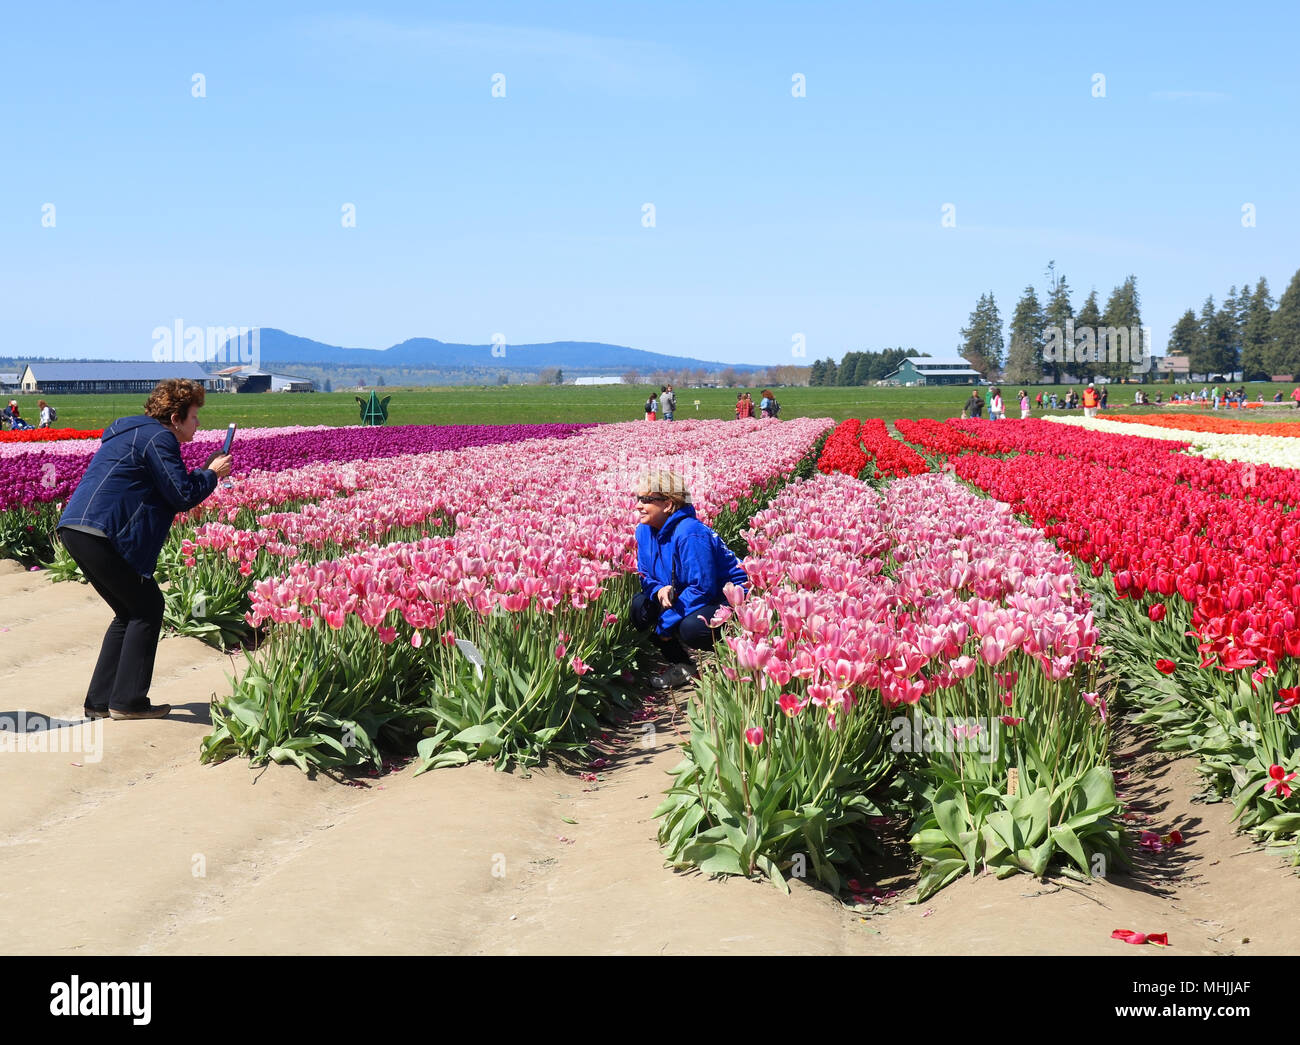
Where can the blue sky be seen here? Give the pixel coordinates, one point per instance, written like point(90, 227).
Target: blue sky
point(774, 215)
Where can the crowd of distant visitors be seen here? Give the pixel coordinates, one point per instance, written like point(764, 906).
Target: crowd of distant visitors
point(1092, 400)
point(665, 400)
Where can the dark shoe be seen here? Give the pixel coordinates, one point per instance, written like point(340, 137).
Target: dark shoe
point(156, 711)
point(90, 712)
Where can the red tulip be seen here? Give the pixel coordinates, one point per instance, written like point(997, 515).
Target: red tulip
point(1278, 778)
point(1157, 612)
point(754, 736)
point(1166, 666)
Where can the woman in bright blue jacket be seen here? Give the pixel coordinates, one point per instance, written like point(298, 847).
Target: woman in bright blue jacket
point(115, 525)
point(683, 566)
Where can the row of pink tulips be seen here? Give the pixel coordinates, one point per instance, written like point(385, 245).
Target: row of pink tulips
point(928, 598)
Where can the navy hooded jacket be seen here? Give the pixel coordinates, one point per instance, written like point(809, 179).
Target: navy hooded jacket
point(692, 558)
point(133, 488)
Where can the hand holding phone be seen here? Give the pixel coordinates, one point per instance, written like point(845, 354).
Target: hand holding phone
point(225, 448)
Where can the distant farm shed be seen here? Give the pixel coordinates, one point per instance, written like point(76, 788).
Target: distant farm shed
point(86, 378)
point(925, 371)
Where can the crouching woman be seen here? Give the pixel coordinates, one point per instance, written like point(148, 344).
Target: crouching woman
point(683, 565)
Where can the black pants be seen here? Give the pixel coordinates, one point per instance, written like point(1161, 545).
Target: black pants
point(124, 671)
point(690, 632)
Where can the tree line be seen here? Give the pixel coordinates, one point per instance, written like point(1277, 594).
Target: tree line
point(1049, 340)
point(1248, 332)
point(859, 368)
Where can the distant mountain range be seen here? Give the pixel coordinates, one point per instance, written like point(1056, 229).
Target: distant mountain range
point(279, 348)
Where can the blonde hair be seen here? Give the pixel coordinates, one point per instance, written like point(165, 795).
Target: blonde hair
point(665, 482)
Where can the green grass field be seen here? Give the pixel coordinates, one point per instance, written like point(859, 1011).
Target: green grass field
point(534, 404)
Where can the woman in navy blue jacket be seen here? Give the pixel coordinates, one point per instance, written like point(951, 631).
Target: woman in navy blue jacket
point(115, 525)
point(683, 566)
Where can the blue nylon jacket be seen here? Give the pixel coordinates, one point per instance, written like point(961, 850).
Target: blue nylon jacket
point(133, 488)
point(692, 558)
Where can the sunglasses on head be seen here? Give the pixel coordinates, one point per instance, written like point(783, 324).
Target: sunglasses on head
point(652, 498)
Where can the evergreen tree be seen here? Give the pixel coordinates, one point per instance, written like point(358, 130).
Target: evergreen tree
point(1230, 323)
point(848, 365)
point(982, 341)
point(1183, 338)
point(1123, 313)
point(1227, 346)
point(1214, 352)
point(1058, 312)
point(1201, 356)
point(329, 385)
point(1086, 349)
point(1284, 329)
point(1025, 353)
point(816, 374)
point(831, 375)
point(1256, 341)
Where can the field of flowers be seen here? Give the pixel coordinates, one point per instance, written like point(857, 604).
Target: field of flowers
point(917, 653)
point(942, 622)
point(1196, 573)
point(37, 477)
point(1214, 423)
point(1254, 446)
point(468, 601)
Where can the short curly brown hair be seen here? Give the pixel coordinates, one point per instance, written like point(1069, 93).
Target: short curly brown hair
point(174, 396)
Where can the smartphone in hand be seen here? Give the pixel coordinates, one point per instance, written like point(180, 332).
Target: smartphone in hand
point(225, 446)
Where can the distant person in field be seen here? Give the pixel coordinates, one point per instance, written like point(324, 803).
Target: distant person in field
point(115, 525)
point(1105, 395)
point(684, 567)
point(17, 422)
point(651, 407)
point(1024, 404)
point(1038, 399)
point(997, 412)
point(1091, 400)
point(974, 405)
point(668, 402)
point(765, 404)
point(44, 408)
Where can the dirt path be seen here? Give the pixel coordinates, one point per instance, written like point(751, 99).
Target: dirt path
point(147, 851)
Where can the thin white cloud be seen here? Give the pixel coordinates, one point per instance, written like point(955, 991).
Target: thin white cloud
point(610, 61)
point(1195, 96)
